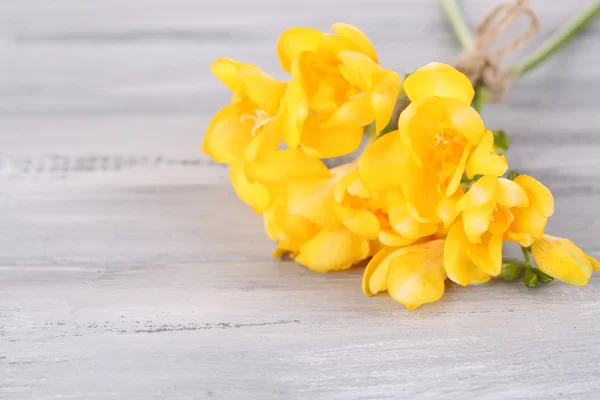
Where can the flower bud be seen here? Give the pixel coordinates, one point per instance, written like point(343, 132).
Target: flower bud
point(562, 260)
point(511, 270)
point(543, 278)
point(512, 175)
point(501, 141)
point(531, 278)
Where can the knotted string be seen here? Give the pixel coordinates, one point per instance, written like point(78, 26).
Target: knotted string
point(481, 63)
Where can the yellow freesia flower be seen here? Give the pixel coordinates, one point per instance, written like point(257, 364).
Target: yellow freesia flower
point(440, 137)
point(337, 88)
point(305, 219)
point(413, 275)
point(493, 210)
point(247, 128)
point(562, 260)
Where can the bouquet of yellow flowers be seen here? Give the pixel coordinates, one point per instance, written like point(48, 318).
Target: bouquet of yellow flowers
point(426, 201)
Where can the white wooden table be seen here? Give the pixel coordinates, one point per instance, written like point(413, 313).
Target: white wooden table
point(129, 269)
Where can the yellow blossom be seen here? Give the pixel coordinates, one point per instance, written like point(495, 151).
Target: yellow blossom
point(440, 137)
point(337, 88)
point(562, 260)
point(305, 218)
point(247, 128)
point(493, 210)
point(412, 275)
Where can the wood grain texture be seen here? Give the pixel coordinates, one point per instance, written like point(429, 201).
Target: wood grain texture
point(129, 269)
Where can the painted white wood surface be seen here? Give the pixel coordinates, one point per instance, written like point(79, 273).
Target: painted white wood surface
point(129, 270)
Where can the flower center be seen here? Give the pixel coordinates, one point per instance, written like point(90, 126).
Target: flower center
point(259, 119)
point(444, 152)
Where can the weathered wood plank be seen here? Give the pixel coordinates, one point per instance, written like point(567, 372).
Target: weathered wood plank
point(128, 268)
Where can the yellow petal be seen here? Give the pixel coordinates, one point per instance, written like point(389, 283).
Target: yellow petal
point(510, 194)
point(502, 218)
point(523, 238)
point(375, 275)
point(279, 167)
point(540, 198)
point(418, 186)
point(417, 276)
point(295, 109)
point(290, 231)
point(254, 194)
point(442, 80)
point(381, 163)
point(476, 221)
point(227, 138)
point(330, 92)
point(487, 255)
point(333, 251)
point(446, 208)
point(460, 169)
point(294, 41)
point(357, 188)
point(226, 70)
point(458, 265)
point(264, 90)
point(341, 186)
point(357, 37)
point(531, 220)
point(479, 277)
point(267, 141)
point(400, 218)
point(359, 70)
point(484, 160)
point(312, 199)
point(360, 222)
point(353, 113)
point(423, 122)
point(321, 142)
point(383, 97)
point(527, 223)
point(482, 192)
point(562, 260)
point(464, 120)
point(594, 263)
point(392, 239)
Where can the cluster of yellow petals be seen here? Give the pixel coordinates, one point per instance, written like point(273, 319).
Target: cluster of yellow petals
point(440, 137)
point(401, 202)
point(324, 219)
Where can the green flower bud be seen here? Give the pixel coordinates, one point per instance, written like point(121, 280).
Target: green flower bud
point(501, 141)
point(544, 278)
point(511, 270)
point(513, 174)
point(531, 278)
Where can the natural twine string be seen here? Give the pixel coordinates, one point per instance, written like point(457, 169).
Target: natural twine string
point(481, 63)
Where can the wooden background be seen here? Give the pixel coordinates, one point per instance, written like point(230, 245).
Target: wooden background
point(129, 269)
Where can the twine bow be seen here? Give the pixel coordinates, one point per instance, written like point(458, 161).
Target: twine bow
point(481, 63)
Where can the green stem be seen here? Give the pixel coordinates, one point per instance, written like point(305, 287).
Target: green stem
point(557, 40)
point(459, 24)
point(527, 254)
point(482, 96)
